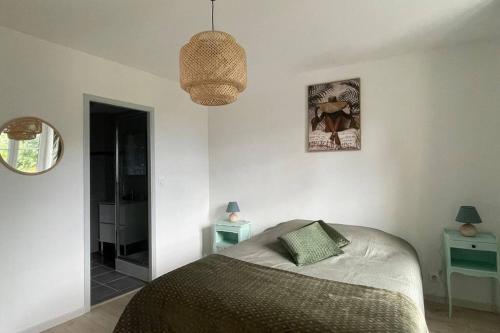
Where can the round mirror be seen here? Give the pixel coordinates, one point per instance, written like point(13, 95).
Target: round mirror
point(30, 146)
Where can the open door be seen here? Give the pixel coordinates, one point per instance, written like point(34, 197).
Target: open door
point(132, 208)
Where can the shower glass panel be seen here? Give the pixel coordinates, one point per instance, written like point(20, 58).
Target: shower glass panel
point(132, 209)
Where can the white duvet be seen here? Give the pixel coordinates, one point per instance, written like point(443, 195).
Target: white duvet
point(374, 258)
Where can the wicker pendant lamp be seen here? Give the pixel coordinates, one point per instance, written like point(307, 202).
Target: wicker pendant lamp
point(24, 129)
point(213, 67)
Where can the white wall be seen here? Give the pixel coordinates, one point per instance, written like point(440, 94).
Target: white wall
point(41, 217)
point(430, 143)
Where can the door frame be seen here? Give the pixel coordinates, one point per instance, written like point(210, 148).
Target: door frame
point(87, 99)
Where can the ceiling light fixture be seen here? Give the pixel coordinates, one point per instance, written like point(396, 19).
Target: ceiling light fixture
point(24, 129)
point(213, 67)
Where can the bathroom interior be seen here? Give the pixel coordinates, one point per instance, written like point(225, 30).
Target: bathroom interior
point(119, 200)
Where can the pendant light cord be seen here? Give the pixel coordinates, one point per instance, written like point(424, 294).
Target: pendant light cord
point(212, 14)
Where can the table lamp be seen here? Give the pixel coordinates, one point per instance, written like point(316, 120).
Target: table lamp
point(232, 207)
point(469, 216)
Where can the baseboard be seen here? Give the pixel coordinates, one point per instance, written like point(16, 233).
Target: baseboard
point(463, 303)
point(54, 322)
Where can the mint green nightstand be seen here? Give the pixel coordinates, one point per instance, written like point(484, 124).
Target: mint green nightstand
point(473, 256)
point(227, 233)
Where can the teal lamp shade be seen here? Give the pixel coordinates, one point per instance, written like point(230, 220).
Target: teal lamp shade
point(232, 207)
point(468, 214)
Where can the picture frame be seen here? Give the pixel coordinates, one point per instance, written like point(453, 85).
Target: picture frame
point(334, 116)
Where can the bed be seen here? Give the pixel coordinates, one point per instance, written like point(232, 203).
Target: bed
point(375, 286)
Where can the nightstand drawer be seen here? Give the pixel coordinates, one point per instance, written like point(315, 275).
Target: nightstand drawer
point(228, 228)
point(473, 245)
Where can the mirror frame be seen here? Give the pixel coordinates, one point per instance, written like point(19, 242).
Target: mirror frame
point(11, 168)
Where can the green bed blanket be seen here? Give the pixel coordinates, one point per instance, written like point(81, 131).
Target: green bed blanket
point(222, 294)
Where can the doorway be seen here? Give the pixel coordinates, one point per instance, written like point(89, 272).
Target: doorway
point(119, 199)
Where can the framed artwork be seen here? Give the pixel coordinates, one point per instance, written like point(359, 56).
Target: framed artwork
point(334, 116)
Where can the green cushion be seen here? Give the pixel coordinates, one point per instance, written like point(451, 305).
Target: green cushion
point(309, 244)
point(334, 234)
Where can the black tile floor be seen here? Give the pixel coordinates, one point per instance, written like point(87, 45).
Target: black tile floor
point(106, 283)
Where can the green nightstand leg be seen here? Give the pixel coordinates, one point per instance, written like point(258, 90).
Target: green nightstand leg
point(448, 283)
point(495, 293)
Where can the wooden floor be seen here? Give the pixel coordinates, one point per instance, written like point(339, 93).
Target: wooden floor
point(102, 319)
point(462, 321)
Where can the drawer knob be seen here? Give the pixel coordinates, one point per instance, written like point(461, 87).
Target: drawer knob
point(473, 246)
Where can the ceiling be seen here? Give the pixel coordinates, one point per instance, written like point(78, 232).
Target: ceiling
point(300, 34)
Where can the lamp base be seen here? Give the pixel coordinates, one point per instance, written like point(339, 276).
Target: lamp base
point(233, 217)
point(468, 230)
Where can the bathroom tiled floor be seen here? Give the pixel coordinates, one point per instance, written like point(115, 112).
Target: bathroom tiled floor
point(106, 283)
